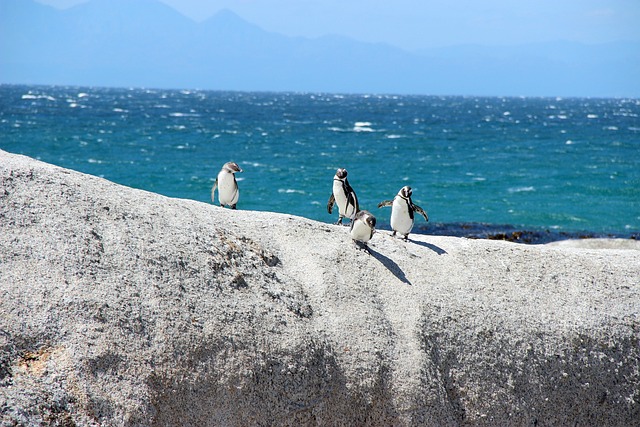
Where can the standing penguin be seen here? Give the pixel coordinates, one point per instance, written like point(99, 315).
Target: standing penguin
point(402, 211)
point(228, 192)
point(344, 196)
point(363, 226)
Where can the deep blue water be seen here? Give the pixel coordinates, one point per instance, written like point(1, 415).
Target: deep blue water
point(530, 163)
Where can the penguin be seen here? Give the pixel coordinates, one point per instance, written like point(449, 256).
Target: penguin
point(344, 196)
point(228, 192)
point(363, 226)
point(402, 212)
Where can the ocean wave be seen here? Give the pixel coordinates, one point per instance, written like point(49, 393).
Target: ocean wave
point(178, 114)
point(30, 96)
point(362, 127)
point(521, 189)
point(253, 164)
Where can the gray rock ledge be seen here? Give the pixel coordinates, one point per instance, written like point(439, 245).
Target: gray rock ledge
point(120, 307)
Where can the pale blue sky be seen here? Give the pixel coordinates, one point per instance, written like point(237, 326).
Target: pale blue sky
point(413, 24)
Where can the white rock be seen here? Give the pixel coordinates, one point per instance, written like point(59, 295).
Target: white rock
point(123, 307)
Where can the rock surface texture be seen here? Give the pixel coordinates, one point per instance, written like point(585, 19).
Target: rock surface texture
point(120, 307)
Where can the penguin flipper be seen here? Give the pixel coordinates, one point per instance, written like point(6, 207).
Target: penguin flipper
point(213, 190)
point(330, 203)
point(352, 199)
point(421, 212)
point(385, 203)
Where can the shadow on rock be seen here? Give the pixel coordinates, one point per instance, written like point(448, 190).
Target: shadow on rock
point(431, 246)
point(391, 265)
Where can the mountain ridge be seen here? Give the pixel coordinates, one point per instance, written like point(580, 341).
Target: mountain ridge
point(148, 44)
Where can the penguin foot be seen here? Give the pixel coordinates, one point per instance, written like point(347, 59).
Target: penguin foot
point(339, 221)
point(406, 238)
point(233, 206)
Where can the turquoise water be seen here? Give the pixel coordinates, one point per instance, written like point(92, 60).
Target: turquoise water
point(534, 163)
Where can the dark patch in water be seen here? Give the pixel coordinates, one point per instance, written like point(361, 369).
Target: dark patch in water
point(474, 230)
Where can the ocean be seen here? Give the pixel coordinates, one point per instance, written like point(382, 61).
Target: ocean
point(527, 169)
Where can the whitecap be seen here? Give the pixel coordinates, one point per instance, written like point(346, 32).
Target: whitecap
point(253, 164)
point(183, 115)
point(290, 191)
point(521, 189)
point(32, 97)
point(362, 127)
point(592, 116)
point(393, 136)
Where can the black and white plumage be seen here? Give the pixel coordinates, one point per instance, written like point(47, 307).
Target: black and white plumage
point(228, 192)
point(402, 212)
point(363, 225)
point(344, 196)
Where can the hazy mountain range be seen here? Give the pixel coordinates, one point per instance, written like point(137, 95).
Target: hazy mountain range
point(145, 43)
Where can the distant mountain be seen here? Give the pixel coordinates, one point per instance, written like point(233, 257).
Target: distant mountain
point(144, 43)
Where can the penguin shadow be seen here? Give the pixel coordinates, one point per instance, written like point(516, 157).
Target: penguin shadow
point(431, 246)
point(390, 264)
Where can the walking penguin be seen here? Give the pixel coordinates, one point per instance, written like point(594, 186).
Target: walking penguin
point(402, 212)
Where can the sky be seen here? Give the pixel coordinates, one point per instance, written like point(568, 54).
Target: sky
point(417, 24)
